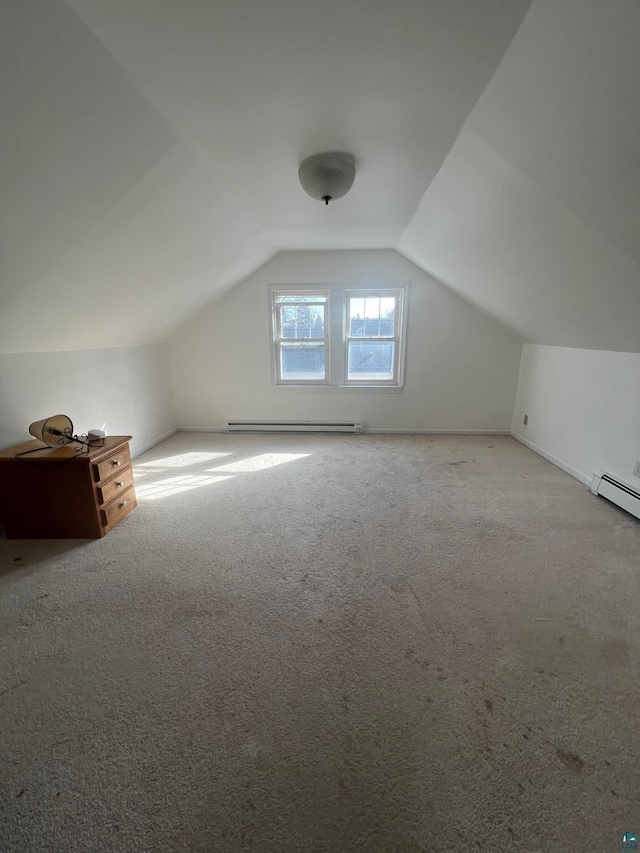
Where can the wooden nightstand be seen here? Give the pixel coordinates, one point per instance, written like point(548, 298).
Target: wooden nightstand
point(62, 494)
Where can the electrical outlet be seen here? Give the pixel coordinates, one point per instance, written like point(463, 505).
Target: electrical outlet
point(494, 417)
point(525, 420)
point(636, 470)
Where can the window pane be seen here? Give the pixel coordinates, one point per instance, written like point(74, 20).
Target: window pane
point(372, 317)
point(302, 321)
point(288, 322)
point(356, 327)
point(302, 362)
point(387, 306)
point(356, 317)
point(387, 316)
point(371, 360)
point(316, 317)
point(372, 308)
point(385, 327)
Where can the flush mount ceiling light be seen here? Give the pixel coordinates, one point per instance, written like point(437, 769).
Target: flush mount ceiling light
point(327, 176)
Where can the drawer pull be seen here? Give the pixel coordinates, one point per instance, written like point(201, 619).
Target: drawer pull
point(117, 463)
point(120, 483)
point(119, 505)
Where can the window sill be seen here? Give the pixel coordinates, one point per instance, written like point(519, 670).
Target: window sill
point(377, 389)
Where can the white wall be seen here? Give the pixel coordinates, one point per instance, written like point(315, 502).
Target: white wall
point(461, 365)
point(125, 391)
point(583, 408)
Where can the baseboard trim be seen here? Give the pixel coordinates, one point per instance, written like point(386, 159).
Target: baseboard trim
point(578, 475)
point(153, 443)
point(200, 429)
point(376, 431)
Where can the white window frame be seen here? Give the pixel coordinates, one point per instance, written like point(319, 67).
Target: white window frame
point(278, 339)
point(397, 338)
point(336, 338)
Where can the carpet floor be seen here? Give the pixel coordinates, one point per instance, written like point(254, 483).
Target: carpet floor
point(327, 643)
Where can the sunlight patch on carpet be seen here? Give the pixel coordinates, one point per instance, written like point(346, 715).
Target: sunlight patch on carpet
point(176, 485)
point(181, 460)
point(259, 463)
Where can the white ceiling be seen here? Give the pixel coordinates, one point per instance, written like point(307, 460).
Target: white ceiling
point(150, 152)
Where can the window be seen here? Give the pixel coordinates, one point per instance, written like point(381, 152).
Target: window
point(372, 337)
point(345, 337)
point(300, 330)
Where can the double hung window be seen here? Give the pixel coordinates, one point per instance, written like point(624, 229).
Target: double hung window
point(301, 337)
point(372, 337)
point(339, 336)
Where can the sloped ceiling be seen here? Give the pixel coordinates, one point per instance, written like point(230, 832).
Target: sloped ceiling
point(150, 152)
point(535, 214)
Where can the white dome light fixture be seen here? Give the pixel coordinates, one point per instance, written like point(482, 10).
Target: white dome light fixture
point(327, 176)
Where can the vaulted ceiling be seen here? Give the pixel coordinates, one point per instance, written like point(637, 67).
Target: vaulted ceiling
point(149, 156)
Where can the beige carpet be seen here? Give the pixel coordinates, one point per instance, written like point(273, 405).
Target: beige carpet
point(327, 643)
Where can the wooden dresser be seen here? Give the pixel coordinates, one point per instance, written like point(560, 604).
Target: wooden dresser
point(63, 494)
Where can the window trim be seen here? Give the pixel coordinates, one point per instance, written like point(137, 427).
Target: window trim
point(397, 338)
point(277, 339)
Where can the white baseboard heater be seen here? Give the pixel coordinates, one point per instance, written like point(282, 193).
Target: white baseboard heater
point(617, 492)
point(292, 426)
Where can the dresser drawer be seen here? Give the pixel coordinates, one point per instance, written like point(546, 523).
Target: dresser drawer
point(109, 466)
point(115, 486)
point(120, 506)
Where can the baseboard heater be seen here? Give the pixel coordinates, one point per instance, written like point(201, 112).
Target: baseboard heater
point(619, 493)
point(292, 426)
